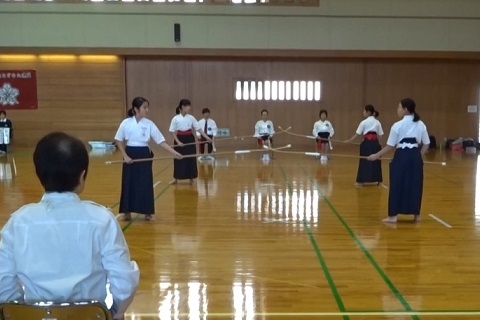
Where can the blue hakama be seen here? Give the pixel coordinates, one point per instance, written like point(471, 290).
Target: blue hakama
point(406, 180)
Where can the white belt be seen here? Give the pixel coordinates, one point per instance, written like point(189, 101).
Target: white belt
point(407, 145)
point(137, 145)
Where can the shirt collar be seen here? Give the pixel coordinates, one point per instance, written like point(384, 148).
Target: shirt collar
point(53, 196)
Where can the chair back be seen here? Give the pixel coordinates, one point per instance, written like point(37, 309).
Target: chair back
point(54, 311)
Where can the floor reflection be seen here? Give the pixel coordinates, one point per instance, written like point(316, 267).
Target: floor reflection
point(207, 185)
point(185, 238)
point(182, 300)
point(271, 201)
point(8, 168)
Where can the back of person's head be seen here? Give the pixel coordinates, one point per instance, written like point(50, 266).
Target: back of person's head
point(369, 108)
point(410, 105)
point(60, 160)
point(205, 110)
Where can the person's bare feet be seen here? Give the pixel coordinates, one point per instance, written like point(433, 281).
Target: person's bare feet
point(149, 217)
point(174, 181)
point(126, 217)
point(390, 220)
point(416, 218)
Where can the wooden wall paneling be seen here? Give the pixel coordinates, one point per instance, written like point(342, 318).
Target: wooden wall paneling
point(83, 98)
point(442, 89)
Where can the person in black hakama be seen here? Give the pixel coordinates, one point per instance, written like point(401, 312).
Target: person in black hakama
point(264, 132)
point(370, 129)
point(137, 177)
point(406, 168)
point(323, 131)
point(183, 128)
point(6, 131)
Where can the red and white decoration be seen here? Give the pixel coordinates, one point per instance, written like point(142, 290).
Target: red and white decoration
point(18, 89)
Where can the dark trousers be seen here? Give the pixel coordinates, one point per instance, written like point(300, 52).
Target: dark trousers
point(208, 144)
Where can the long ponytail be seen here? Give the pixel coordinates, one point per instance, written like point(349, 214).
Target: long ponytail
point(130, 112)
point(416, 117)
point(410, 105)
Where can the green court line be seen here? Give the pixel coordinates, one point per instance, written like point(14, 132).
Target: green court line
point(321, 260)
point(365, 251)
point(156, 174)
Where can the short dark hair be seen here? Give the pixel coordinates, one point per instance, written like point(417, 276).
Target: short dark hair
point(264, 110)
point(323, 111)
point(59, 161)
point(3, 112)
point(205, 110)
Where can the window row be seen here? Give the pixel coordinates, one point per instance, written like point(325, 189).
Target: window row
point(278, 90)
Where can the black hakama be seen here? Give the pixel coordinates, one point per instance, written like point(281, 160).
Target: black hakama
point(406, 181)
point(261, 141)
point(185, 168)
point(369, 171)
point(322, 138)
point(137, 183)
point(205, 143)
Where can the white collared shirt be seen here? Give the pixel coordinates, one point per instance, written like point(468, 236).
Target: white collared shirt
point(138, 134)
point(407, 128)
point(263, 128)
point(184, 123)
point(64, 249)
point(370, 124)
point(323, 126)
point(211, 126)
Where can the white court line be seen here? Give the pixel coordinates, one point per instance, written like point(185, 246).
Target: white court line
point(384, 186)
point(440, 221)
point(267, 220)
point(132, 315)
point(156, 184)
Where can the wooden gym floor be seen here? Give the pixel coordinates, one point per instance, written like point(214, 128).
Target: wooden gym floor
point(290, 239)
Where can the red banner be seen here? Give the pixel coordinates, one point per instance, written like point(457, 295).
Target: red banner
point(18, 89)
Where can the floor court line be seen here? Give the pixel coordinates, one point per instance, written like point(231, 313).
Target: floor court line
point(362, 247)
point(132, 315)
point(321, 260)
point(434, 217)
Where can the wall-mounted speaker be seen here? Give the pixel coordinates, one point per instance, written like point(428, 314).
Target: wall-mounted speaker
point(176, 32)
